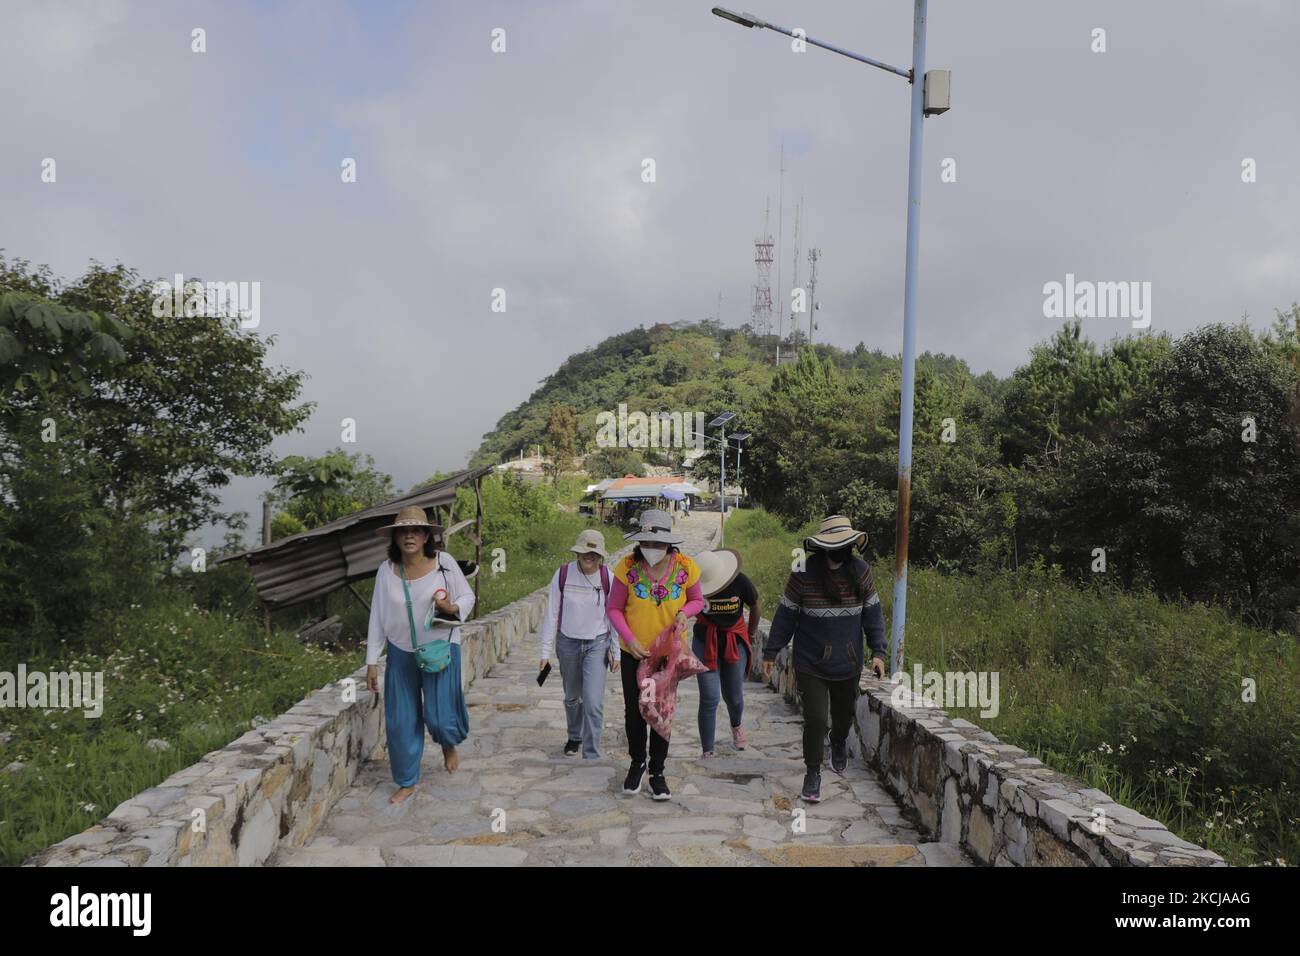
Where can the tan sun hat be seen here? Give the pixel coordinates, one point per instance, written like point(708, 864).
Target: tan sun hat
point(836, 532)
point(590, 541)
point(717, 569)
point(412, 516)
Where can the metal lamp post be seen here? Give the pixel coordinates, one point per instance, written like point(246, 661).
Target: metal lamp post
point(721, 422)
point(740, 437)
point(929, 96)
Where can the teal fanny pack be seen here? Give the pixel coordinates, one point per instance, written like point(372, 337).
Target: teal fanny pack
point(434, 657)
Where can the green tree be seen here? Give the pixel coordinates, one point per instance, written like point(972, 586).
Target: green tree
point(1071, 389)
point(561, 441)
point(315, 491)
point(807, 439)
point(1199, 492)
point(614, 463)
point(192, 402)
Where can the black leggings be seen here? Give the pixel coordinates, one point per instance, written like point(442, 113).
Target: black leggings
point(819, 696)
point(635, 724)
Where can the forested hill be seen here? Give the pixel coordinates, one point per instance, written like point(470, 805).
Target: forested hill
point(1164, 463)
point(683, 367)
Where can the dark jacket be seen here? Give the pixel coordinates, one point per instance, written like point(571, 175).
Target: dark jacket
point(828, 629)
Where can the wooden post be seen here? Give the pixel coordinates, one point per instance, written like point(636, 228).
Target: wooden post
point(364, 603)
point(478, 537)
point(266, 539)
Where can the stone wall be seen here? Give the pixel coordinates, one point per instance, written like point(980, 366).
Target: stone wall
point(272, 786)
point(1003, 806)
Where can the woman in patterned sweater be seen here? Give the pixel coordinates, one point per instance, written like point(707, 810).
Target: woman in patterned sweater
point(828, 609)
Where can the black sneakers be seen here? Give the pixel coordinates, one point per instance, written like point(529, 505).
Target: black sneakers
point(839, 756)
point(572, 747)
point(812, 786)
point(632, 782)
point(659, 787)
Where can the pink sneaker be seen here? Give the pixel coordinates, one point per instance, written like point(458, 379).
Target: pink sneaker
point(706, 755)
point(738, 737)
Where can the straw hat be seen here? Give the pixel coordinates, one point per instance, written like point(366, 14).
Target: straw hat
point(717, 569)
point(590, 541)
point(656, 528)
point(836, 532)
point(412, 516)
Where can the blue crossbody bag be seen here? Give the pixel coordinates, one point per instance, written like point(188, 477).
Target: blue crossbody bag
point(434, 657)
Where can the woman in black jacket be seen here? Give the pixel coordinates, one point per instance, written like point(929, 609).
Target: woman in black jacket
point(828, 609)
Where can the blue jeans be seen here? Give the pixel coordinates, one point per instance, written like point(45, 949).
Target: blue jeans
point(442, 710)
point(583, 666)
point(730, 680)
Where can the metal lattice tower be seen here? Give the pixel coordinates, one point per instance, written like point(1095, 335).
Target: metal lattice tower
point(813, 256)
point(794, 284)
point(762, 314)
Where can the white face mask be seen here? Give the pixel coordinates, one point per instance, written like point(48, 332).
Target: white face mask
point(653, 555)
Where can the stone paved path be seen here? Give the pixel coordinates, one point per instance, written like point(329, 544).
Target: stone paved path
point(516, 800)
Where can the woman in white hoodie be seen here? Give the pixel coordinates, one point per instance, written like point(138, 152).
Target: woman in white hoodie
point(576, 625)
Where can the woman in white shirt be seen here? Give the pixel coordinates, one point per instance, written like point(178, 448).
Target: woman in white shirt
point(585, 643)
point(414, 699)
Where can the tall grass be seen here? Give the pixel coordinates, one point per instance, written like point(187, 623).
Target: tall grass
point(1175, 710)
point(191, 678)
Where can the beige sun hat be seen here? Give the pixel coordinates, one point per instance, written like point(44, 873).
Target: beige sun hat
point(590, 541)
point(836, 531)
point(717, 569)
point(412, 516)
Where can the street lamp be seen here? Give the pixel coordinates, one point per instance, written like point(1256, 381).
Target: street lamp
point(721, 422)
point(929, 97)
point(739, 437)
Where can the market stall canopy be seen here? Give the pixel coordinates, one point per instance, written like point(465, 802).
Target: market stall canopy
point(685, 487)
point(314, 563)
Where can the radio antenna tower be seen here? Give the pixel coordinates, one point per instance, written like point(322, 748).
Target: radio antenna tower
point(798, 211)
point(780, 231)
point(763, 287)
point(813, 256)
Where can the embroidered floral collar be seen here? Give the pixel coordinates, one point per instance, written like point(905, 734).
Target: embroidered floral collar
point(641, 583)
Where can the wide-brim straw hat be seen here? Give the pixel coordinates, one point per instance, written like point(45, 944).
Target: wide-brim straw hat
point(656, 528)
point(590, 541)
point(412, 516)
point(835, 532)
point(717, 569)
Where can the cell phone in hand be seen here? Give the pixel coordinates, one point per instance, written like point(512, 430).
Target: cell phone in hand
point(543, 674)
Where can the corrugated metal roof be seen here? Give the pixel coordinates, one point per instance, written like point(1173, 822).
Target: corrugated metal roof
point(313, 563)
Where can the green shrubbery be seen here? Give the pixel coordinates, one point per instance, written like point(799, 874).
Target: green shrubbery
point(192, 678)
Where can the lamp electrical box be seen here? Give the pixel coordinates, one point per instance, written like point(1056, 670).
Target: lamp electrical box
point(937, 92)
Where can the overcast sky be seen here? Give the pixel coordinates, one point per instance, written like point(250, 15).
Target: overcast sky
point(522, 170)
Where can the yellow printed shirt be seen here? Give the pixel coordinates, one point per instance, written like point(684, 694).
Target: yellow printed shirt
point(652, 606)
